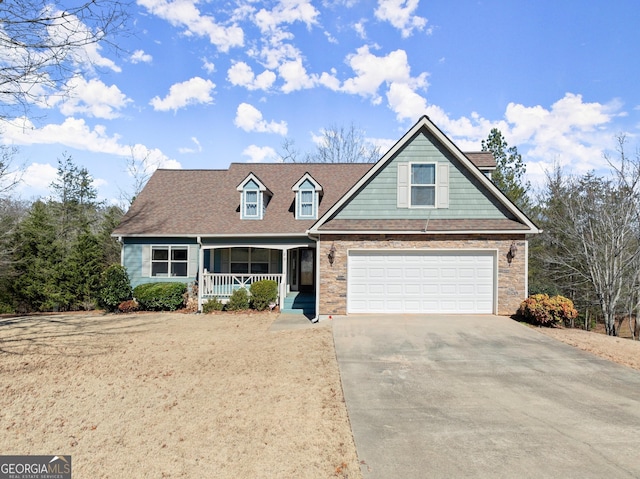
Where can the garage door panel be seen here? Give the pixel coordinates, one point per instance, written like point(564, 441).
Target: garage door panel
point(420, 282)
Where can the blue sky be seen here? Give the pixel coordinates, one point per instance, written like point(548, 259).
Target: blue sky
point(201, 84)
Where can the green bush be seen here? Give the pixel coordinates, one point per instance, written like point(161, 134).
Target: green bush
point(262, 293)
point(160, 296)
point(114, 288)
point(5, 308)
point(213, 304)
point(544, 310)
point(239, 300)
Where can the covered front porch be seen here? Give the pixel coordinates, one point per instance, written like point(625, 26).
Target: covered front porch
point(226, 267)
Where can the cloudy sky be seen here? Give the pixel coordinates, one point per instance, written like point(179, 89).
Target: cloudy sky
point(201, 84)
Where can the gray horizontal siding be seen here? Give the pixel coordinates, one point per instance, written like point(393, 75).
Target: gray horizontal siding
point(468, 199)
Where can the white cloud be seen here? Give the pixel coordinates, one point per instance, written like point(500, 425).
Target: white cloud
point(241, 74)
point(287, 11)
point(258, 154)
point(197, 149)
point(75, 133)
point(392, 71)
point(93, 98)
point(571, 133)
point(295, 76)
point(400, 14)
point(139, 56)
point(209, 67)
point(249, 118)
point(69, 29)
point(360, 30)
point(185, 13)
point(38, 176)
point(194, 91)
point(405, 102)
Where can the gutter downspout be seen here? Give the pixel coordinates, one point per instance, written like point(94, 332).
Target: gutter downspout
point(317, 240)
point(200, 271)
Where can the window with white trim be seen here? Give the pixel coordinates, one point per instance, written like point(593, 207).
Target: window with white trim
point(423, 185)
point(307, 208)
point(251, 204)
point(169, 261)
point(308, 193)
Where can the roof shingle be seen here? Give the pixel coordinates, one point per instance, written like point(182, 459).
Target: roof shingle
point(205, 202)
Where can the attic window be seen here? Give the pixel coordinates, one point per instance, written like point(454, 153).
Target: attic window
point(308, 193)
point(307, 203)
point(254, 197)
point(423, 184)
point(251, 204)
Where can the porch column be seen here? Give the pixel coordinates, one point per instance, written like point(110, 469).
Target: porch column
point(283, 283)
point(200, 277)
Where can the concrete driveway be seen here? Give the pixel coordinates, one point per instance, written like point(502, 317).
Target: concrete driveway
point(483, 396)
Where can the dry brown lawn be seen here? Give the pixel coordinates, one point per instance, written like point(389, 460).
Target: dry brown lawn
point(617, 349)
point(174, 395)
point(181, 395)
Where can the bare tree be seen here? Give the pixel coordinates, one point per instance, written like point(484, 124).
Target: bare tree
point(593, 231)
point(336, 145)
point(140, 170)
point(42, 43)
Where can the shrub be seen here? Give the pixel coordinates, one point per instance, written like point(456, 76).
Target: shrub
point(128, 306)
point(5, 308)
point(541, 309)
point(239, 300)
point(214, 304)
point(160, 296)
point(114, 288)
point(262, 293)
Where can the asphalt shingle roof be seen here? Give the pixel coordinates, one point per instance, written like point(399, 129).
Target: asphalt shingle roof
point(205, 202)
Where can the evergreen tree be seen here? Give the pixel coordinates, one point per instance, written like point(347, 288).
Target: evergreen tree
point(80, 273)
point(36, 258)
point(510, 169)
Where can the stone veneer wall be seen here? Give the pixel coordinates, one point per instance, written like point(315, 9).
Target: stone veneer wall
point(333, 279)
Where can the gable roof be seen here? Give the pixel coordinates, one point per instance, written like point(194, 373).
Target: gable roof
point(522, 223)
point(206, 203)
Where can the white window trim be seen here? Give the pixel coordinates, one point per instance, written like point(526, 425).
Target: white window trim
point(314, 204)
point(258, 214)
point(435, 185)
point(169, 248)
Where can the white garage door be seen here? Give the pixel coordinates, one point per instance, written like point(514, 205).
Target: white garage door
point(420, 282)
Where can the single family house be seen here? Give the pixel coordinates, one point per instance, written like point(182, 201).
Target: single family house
point(423, 230)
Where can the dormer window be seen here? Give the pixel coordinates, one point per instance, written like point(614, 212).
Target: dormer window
point(308, 193)
point(254, 197)
point(250, 204)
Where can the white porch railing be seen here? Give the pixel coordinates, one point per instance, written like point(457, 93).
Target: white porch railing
point(222, 285)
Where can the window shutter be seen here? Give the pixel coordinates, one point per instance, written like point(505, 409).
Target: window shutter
point(194, 261)
point(442, 180)
point(146, 261)
point(403, 185)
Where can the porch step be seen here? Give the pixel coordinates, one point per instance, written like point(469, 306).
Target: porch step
point(300, 303)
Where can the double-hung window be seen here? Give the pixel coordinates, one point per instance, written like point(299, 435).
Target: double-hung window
point(169, 261)
point(251, 204)
point(306, 203)
point(423, 185)
point(308, 192)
